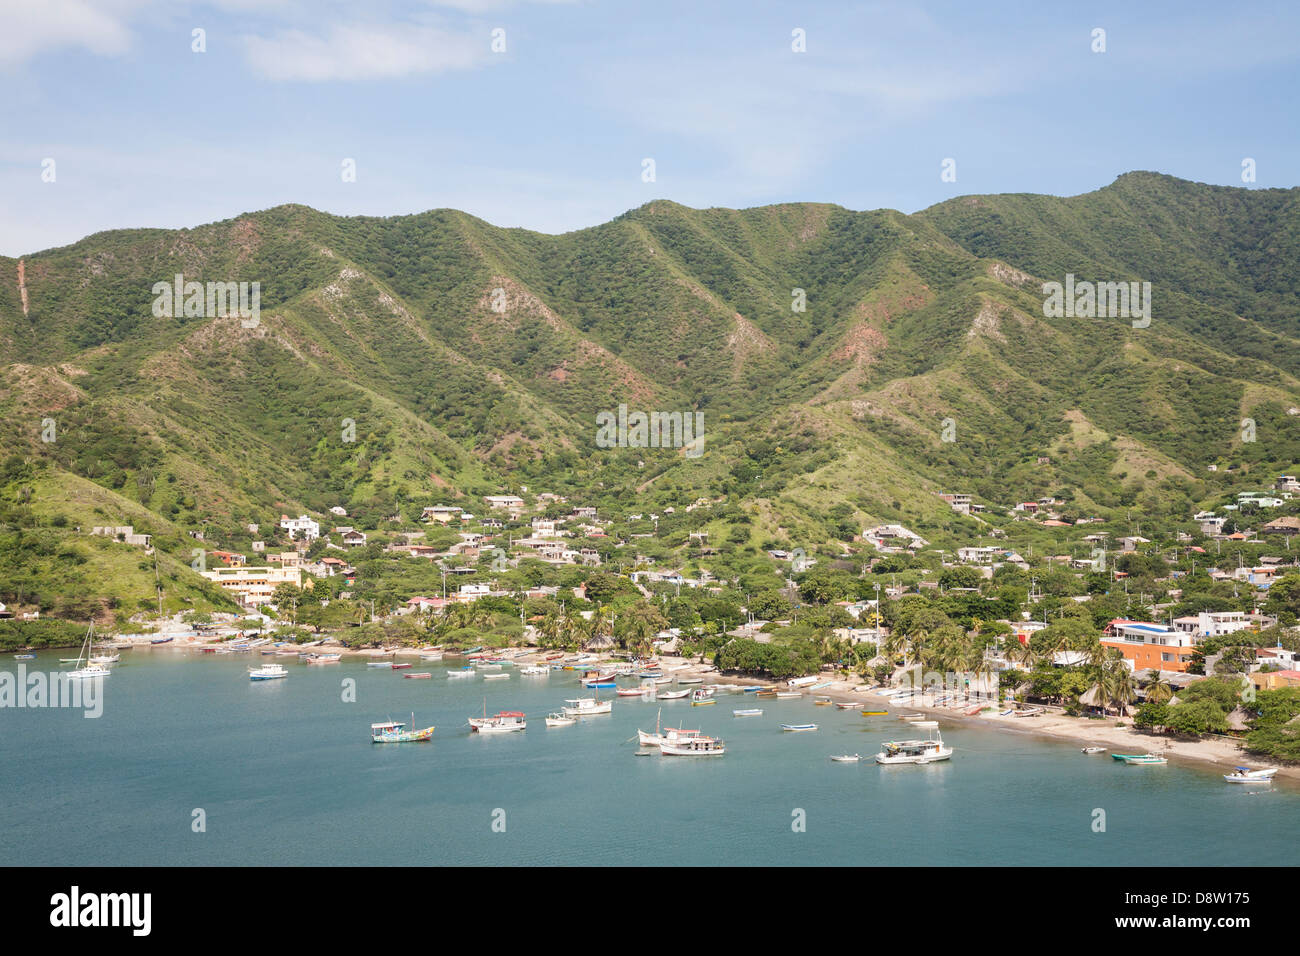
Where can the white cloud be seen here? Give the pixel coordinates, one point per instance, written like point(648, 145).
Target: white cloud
point(365, 51)
point(32, 27)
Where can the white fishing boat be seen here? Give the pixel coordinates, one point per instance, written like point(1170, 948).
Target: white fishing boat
point(916, 751)
point(588, 707)
point(665, 735)
point(1246, 775)
point(535, 670)
point(267, 672)
point(559, 720)
point(750, 712)
point(461, 672)
point(504, 722)
point(496, 676)
point(106, 659)
point(432, 658)
point(699, 746)
point(388, 664)
point(690, 680)
point(788, 695)
point(798, 728)
point(324, 658)
point(635, 691)
point(1093, 750)
point(847, 758)
point(673, 694)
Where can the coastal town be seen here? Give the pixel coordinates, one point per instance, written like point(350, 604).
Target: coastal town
point(1163, 642)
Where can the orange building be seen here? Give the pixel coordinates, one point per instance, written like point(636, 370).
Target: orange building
point(1149, 645)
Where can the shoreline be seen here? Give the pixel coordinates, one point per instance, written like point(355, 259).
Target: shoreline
point(1216, 752)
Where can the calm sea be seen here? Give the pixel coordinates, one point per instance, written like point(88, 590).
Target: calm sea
point(283, 772)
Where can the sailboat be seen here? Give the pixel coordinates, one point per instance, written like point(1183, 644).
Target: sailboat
point(91, 669)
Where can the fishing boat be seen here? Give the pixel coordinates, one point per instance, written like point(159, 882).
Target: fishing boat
point(487, 666)
point(324, 658)
point(911, 716)
point(1027, 712)
point(160, 640)
point(503, 722)
point(690, 680)
point(391, 732)
point(847, 706)
point(535, 670)
point(673, 694)
point(496, 676)
point(635, 691)
point(431, 658)
point(559, 720)
point(379, 664)
point(693, 747)
point(751, 690)
point(645, 739)
point(822, 702)
point(587, 707)
point(916, 751)
point(788, 695)
point(106, 659)
point(702, 701)
point(847, 758)
point(267, 672)
point(1092, 750)
point(798, 728)
point(25, 657)
point(461, 672)
point(765, 693)
point(419, 675)
point(874, 713)
point(751, 712)
point(1140, 758)
point(401, 667)
point(1246, 775)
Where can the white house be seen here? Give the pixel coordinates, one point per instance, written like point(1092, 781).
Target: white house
point(302, 524)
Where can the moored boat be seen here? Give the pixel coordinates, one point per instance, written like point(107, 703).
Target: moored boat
point(916, 751)
point(587, 707)
point(560, 720)
point(1246, 775)
point(798, 728)
point(750, 712)
point(847, 758)
point(673, 694)
point(875, 713)
point(1140, 758)
point(25, 657)
point(693, 747)
point(391, 732)
point(1093, 750)
point(267, 672)
point(504, 722)
point(419, 675)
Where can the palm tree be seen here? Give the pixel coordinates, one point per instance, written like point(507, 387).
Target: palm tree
point(1158, 689)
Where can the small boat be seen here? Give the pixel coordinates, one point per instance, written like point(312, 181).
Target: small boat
point(752, 712)
point(916, 751)
point(325, 659)
point(751, 690)
point(847, 706)
point(765, 693)
point(874, 713)
point(431, 658)
point(798, 728)
point(496, 676)
point(32, 657)
point(1246, 775)
point(788, 695)
point(911, 716)
point(587, 707)
point(535, 670)
point(702, 702)
point(267, 672)
point(822, 702)
point(847, 758)
point(461, 672)
point(487, 666)
point(559, 720)
point(635, 691)
point(1007, 713)
point(105, 659)
point(690, 680)
point(391, 732)
point(401, 667)
point(971, 712)
point(419, 675)
point(1027, 712)
point(662, 736)
point(505, 722)
point(693, 747)
point(599, 685)
point(1140, 758)
point(379, 664)
point(160, 640)
point(1092, 750)
point(673, 694)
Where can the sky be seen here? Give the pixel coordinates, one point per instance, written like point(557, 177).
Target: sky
point(542, 113)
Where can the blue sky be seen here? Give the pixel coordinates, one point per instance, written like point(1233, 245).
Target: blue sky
point(551, 133)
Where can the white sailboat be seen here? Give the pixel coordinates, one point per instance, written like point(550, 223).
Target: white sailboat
point(91, 669)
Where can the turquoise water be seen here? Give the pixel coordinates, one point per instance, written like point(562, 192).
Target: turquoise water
point(286, 774)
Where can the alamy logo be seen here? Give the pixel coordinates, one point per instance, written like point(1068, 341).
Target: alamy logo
point(1092, 300)
point(103, 909)
point(40, 690)
point(652, 430)
point(194, 300)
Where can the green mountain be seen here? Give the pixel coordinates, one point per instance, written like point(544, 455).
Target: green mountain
point(414, 360)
